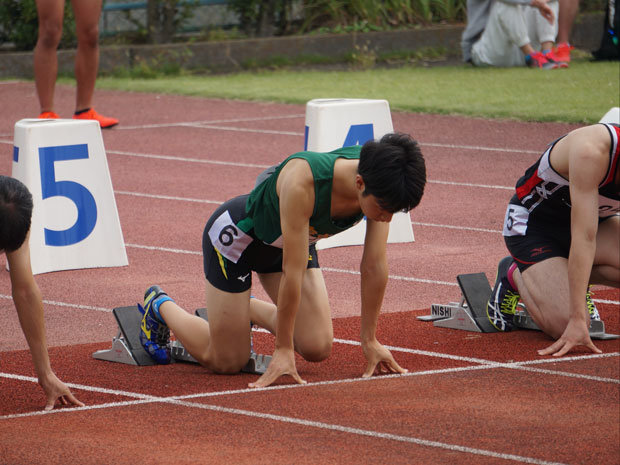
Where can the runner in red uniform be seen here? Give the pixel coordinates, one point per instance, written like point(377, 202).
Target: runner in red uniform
point(562, 229)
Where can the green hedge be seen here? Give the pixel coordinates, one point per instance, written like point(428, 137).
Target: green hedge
point(19, 24)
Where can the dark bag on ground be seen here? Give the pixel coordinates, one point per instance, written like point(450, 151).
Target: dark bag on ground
point(610, 44)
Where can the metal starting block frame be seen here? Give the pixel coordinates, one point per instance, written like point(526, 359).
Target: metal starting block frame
point(471, 313)
point(127, 349)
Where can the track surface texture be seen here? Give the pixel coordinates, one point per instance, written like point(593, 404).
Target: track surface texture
point(468, 397)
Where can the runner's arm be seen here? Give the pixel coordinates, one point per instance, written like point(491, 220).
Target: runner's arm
point(29, 305)
point(587, 160)
point(374, 277)
point(296, 193)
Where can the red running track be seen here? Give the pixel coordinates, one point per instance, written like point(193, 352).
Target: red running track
point(468, 398)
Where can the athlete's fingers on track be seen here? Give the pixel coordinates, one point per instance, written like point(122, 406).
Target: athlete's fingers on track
point(65, 399)
point(385, 366)
point(561, 347)
point(553, 348)
point(73, 400)
point(396, 368)
point(370, 370)
point(267, 378)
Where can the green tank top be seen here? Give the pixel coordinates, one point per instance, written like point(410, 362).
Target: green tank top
point(263, 207)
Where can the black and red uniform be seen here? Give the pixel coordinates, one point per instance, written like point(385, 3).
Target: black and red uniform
point(538, 218)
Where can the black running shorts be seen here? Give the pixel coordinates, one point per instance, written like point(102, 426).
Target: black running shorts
point(541, 242)
point(230, 269)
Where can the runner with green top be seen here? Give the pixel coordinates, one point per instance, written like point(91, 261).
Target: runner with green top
point(273, 231)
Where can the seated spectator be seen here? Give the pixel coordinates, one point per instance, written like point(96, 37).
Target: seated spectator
point(511, 33)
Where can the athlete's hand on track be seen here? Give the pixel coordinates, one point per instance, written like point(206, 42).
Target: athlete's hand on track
point(56, 390)
point(282, 363)
point(575, 334)
point(380, 360)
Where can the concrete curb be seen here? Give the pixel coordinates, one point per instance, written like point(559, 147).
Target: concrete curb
point(234, 55)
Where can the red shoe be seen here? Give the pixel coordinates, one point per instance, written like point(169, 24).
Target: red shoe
point(104, 121)
point(538, 60)
point(553, 58)
point(48, 115)
point(562, 52)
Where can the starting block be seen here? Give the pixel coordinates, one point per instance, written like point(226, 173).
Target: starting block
point(470, 314)
point(126, 347)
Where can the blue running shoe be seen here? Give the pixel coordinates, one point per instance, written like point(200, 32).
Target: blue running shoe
point(154, 333)
point(504, 299)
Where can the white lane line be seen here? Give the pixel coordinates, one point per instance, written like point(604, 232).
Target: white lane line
point(395, 277)
point(191, 123)
point(254, 165)
point(525, 365)
point(460, 228)
point(273, 417)
point(604, 301)
point(230, 128)
point(88, 388)
point(351, 272)
point(75, 409)
point(168, 197)
point(369, 433)
point(163, 249)
point(469, 184)
point(570, 358)
point(567, 374)
point(479, 147)
point(186, 159)
point(219, 202)
point(481, 365)
point(64, 304)
point(256, 131)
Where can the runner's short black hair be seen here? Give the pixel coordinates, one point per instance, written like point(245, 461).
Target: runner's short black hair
point(394, 171)
point(15, 213)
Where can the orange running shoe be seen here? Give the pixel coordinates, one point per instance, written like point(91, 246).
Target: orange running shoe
point(48, 115)
point(104, 121)
point(553, 58)
point(562, 52)
point(538, 60)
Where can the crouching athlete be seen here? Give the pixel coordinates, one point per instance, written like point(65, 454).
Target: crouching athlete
point(561, 229)
point(272, 231)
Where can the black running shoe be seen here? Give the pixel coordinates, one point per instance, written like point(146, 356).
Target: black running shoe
point(504, 299)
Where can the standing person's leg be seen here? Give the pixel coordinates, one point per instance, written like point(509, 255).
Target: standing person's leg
point(87, 57)
point(87, 14)
point(313, 336)
point(566, 19)
point(50, 14)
